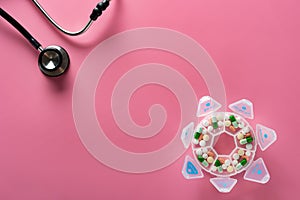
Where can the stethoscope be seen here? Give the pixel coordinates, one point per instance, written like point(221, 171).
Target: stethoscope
point(53, 60)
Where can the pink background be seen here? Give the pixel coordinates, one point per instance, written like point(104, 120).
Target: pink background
point(255, 44)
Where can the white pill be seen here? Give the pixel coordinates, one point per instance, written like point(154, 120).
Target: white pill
point(241, 125)
point(236, 156)
point(205, 123)
point(199, 152)
point(206, 137)
point(220, 117)
point(224, 166)
point(246, 129)
point(230, 169)
point(195, 141)
point(210, 159)
point(204, 131)
point(237, 118)
point(249, 146)
point(235, 162)
point(220, 123)
point(241, 152)
point(227, 162)
point(202, 143)
point(227, 123)
point(204, 150)
point(213, 168)
point(240, 136)
point(205, 155)
point(210, 128)
point(248, 153)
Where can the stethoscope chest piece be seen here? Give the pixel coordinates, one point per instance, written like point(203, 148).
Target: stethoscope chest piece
point(53, 61)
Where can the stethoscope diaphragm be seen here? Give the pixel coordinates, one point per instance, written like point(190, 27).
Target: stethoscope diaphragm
point(53, 61)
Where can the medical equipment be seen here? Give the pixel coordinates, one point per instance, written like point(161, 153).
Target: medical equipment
point(53, 60)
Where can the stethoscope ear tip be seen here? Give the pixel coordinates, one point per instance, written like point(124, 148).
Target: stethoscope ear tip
point(53, 61)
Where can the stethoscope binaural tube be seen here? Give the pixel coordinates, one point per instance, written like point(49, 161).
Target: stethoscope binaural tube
point(53, 60)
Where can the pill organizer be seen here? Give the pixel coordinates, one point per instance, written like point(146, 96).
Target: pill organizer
point(207, 134)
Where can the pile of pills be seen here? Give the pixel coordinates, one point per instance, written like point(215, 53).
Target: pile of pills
point(206, 157)
point(223, 164)
point(245, 138)
point(233, 123)
point(214, 122)
point(201, 137)
point(241, 158)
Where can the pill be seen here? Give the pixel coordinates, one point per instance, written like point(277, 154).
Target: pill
point(234, 162)
point(240, 136)
point(220, 117)
point(200, 130)
point(241, 164)
point(241, 152)
point(246, 140)
point(224, 166)
point(205, 123)
point(227, 162)
point(227, 123)
point(202, 160)
point(201, 137)
point(204, 131)
point(206, 137)
point(202, 143)
point(220, 169)
point(236, 156)
point(205, 156)
point(238, 119)
point(232, 118)
point(220, 123)
point(199, 152)
point(215, 125)
point(210, 159)
point(248, 134)
point(214, 119)
point(211, 154)
point(245, 157)
point(213, 168)
point(235, 124)
point(210, 128)
point(222, 160)
point(204, 150)
point(195, 141)
point(246, 129)
point(229, 169)
point(241, 125)
point(205, 163)
point(218, 163)
point(249, 146)
point(248, 153)
point(197, 135)
point(232, 128)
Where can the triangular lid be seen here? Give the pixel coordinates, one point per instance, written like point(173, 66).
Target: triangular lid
point(223, 185)
point(243, 107)
point(187, 134)
point(207, 105)
point(257, 172)
point(191, 169)
point(266, 136)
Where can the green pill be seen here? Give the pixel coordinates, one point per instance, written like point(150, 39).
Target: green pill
point(232, 118)
point(246, 140)
point(218, 163)
point(197, 135)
